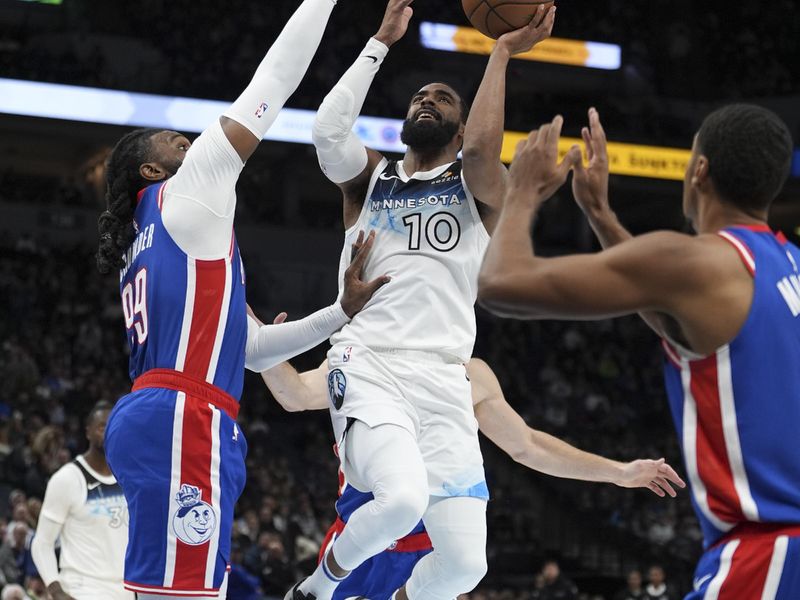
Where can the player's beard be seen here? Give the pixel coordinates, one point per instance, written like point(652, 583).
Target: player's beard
point(426, 135)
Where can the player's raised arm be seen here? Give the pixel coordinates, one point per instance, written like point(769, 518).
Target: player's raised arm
point(270, 345)
point(483, 136)
point(200, 199)
point(342, 156)
point(619, 281)
point(539, 451)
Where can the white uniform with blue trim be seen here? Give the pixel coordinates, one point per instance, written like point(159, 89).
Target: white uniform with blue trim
point(401, 359)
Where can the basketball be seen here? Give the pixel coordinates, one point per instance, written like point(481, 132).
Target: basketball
point(496, 17)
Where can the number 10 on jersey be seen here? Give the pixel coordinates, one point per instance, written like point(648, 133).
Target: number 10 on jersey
point(134, 305)
point(442, 231)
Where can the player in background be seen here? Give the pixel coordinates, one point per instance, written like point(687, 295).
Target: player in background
point(398, 368)
point(726, 303)
point(173, 443)
point(85, 508)
point(381, 575)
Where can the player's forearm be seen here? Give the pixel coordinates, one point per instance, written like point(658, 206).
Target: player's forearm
point(282, 69)
point(509, 261)
point(270, 345)
point(549, 455)
point(289, 390)
point(44, 556)
point(607, 228)
point(342, 155)
point(483, 135)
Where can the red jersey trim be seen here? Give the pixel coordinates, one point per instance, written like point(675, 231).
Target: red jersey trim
point(744, 252)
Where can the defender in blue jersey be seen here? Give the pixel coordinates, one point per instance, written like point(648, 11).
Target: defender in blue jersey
point(726, 304)
point(173, 442)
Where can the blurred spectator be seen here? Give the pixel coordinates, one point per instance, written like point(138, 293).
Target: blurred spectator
point(657, 588)
point(15, 556)
point(634, 589)
point(242, 585)
point(556, 585)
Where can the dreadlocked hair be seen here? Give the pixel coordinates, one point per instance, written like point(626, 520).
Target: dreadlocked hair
point(123, 181)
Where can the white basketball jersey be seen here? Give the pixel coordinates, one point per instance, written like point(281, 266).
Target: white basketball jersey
point(431, 241)
point(94, 515)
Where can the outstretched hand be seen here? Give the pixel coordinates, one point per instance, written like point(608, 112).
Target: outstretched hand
point(356, 291)
point(395, 21)
point(655, 475)
point(590, 184)
point(523, 39)
point(536, 174)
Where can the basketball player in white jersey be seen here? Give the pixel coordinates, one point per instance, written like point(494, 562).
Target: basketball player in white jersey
point(397, 369)
point(85, 508)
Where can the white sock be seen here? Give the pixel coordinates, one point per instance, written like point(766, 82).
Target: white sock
point(322, 583)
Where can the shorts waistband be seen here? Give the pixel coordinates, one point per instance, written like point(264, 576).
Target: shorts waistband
point(418, 355)
point(181, 382)
point(752, 529)
point(416, 542)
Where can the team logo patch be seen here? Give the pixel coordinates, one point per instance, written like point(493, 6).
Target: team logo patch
point(337, 384)
point(195, 521)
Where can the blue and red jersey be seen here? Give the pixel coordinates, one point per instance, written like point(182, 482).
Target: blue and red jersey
point(737, 412)
point(182, 313)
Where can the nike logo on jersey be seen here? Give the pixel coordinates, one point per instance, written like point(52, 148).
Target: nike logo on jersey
point(387, 177)
point(698, 583)
point(374, 58)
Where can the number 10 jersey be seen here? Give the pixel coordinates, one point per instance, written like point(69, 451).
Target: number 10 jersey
point(430, 240)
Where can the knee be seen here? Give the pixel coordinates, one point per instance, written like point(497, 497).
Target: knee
point(404, 506)
point(468, 567)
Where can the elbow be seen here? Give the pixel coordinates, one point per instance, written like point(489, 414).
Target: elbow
point(474, 153)
point(494, 292)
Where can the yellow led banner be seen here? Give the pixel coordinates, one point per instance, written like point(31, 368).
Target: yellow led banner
point(454, 38)
point(623, 159)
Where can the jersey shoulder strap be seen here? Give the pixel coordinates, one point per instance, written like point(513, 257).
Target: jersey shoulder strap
point(90, 479)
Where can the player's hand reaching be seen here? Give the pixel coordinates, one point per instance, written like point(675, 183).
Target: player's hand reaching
point(655, 475)
point(56, 593)
point(536, 174)
point(590, 183)
point(523, 39)
point(356, 291)
point(395, 21)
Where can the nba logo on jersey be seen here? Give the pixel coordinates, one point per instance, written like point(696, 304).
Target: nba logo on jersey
point(346, 355)
point(262, 108)
point(195, 521)
point(337, 384)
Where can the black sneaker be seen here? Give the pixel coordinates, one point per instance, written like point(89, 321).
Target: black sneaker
point(296, 594)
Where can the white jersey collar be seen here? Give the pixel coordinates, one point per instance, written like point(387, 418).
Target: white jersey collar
point(423, 175)
point(104, 479)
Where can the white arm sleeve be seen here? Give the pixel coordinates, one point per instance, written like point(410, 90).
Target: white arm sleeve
point(43, 549)
point(64, 490)
point(200, 199)
point(283, 68)
point(270, 345)
point(341, 154)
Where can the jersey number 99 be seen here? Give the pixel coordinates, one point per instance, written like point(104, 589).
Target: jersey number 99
point(134, 305)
